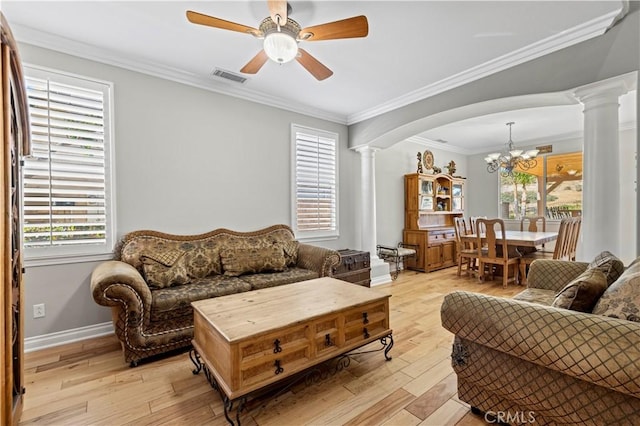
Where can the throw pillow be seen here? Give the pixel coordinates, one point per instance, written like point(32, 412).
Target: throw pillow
point(240, 261)
point(622, 298)
point(291, 252)
point(164, 268)
point(582, 293)
point(609, 264)
point(203, 261)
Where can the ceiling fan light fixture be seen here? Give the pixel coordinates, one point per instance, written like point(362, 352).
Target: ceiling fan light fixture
point(280, 47)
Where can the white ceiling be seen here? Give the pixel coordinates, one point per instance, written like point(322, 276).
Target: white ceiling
point(413, 47)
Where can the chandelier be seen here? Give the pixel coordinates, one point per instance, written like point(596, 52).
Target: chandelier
point(511, 158)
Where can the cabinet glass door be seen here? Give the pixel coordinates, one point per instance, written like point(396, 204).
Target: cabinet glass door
point(426, 187)
point(426, 202)
point(456, 197)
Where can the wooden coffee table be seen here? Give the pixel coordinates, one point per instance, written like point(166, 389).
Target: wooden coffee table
point(247, 341)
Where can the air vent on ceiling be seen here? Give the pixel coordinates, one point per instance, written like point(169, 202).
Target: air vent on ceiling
point(228, 75)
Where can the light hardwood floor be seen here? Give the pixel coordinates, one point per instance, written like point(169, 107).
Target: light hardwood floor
point(88, 382)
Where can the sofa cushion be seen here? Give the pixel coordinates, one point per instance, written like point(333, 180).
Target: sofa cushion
point(273, 279)
point(609, 264)
point(290, 249)
point(622, 298)
point(203, 261)
point(583, 293)
point(164, 268)
point(540, 296)
point(238, 261)
point(173, 302)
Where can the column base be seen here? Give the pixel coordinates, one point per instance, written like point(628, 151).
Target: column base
point(379, 271)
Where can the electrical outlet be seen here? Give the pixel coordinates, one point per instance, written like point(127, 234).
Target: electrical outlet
point(38, 310)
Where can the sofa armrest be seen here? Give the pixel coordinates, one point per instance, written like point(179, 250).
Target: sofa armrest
point(115, 283)
point(593, 348)
point(553, 274)
point(318, 259)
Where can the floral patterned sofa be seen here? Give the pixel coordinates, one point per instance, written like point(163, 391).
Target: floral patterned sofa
point(156, 276)
point(528, 359)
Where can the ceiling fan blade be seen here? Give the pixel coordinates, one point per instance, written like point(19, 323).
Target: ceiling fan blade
point(311, 64)
point(278, 8)
point(358, 26)
point(210, 21)
point(254, 65)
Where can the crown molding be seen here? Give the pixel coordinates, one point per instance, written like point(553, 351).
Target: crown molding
point(85, 51)
point(577, 34)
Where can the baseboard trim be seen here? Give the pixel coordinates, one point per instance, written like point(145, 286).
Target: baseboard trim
point(68, 336)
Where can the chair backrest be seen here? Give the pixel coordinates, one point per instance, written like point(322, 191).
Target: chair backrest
point(474, 226)
point(576, 224)
point(491, 228)
point(562, 248)
point(533, 223)
point(460, 225)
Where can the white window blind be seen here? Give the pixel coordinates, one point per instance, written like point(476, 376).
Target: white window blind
point(315, 206)
point(66, 202)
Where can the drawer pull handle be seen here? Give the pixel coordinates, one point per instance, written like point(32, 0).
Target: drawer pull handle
point(327, 340)
point(279, 369)
point(276, 346)
point(366, 333)
point(365, 318)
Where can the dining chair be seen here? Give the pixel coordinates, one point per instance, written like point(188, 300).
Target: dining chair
point(561, 250)
point(473, 222)
point(575, 237)
point(465, 252)
point(496, 251)
point(534, 224)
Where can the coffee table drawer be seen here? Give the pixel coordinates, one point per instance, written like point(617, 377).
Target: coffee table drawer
point(326, 335)
point(365, 321)
point(273, 354)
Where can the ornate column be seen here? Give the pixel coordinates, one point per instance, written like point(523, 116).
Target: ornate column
point(600, 191)
point(379, 269)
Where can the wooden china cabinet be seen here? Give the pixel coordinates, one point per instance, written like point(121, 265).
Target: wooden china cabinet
point(15, 143)
point(431, 202)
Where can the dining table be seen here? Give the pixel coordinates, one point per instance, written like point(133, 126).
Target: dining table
point(518, 238)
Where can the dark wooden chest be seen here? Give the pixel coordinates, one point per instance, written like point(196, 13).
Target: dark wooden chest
point(354, 267)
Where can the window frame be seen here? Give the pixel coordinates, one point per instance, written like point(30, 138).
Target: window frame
point(543, 194)
point(55, 255)
point(319, 235)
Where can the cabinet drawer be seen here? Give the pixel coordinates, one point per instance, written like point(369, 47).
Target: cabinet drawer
point(441, 236)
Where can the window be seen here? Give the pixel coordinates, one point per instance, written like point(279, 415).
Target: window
point(553, 189)
point(315, 177)
point(66, 180)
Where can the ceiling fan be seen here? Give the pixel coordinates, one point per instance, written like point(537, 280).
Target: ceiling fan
point(281, 35)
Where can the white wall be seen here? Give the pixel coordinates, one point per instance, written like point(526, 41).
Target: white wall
point(391, 165)
point(187, 161)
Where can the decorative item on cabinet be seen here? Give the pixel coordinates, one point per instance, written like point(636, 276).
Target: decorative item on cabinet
point(451, 167)
point(419, 163)
point(427, 160)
